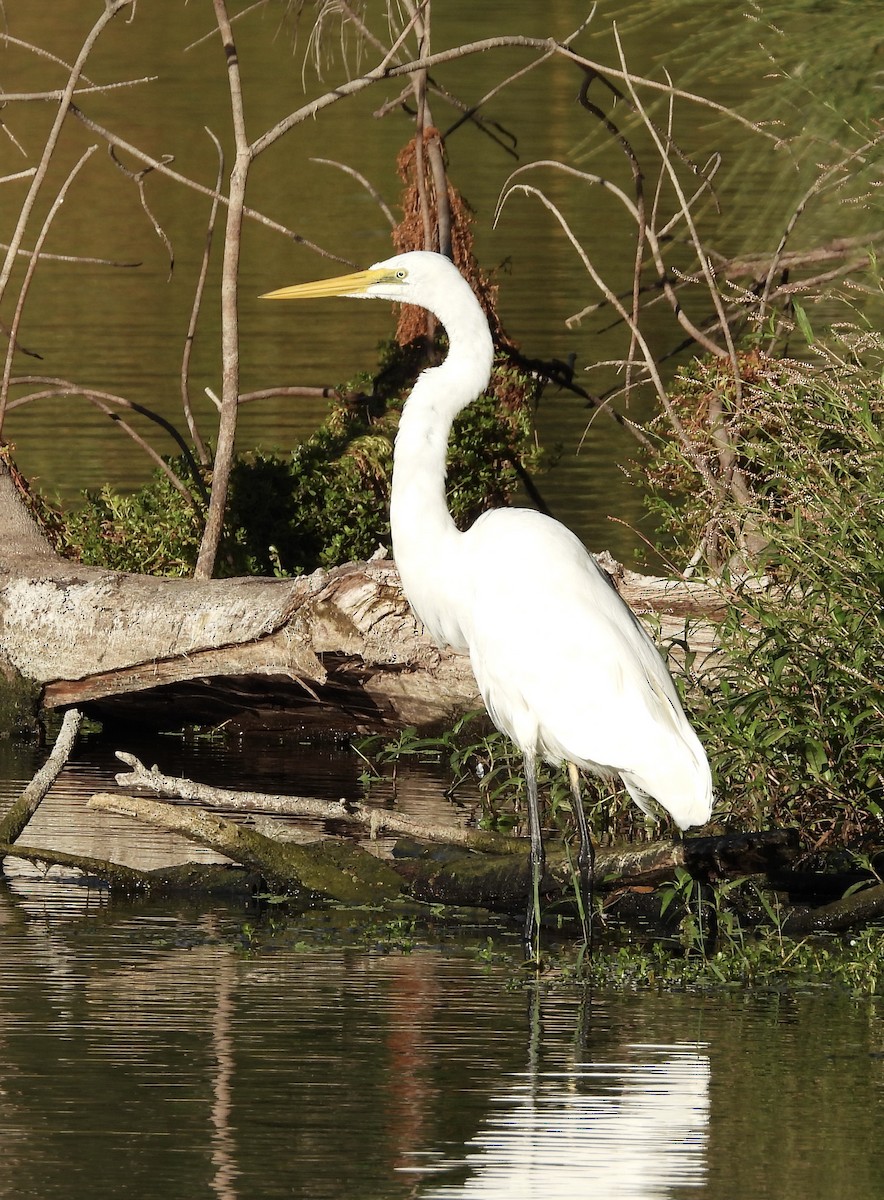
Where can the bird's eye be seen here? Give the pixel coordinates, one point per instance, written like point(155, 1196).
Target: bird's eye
point(401, 273)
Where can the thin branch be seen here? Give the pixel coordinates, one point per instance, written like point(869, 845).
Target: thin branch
point(310, 393)
point(818, 185)
point(40, 52)
point(688, 447)
point(111, 11)
point(385, 71)
point(104, 402)
point(226, 438)
point(138, 178)
point(78, 260)
point(59, 93)
point(163, 168)
point(650, 237)
point(21, 811)
point(29, 173)
point(375, 820)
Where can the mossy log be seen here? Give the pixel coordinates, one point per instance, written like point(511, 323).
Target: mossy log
point(860, 908)
point(330, 869)
point(432, 870)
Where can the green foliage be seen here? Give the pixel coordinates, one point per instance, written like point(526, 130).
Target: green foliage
point(154, 531)
point(325, 503)
point(794, 718)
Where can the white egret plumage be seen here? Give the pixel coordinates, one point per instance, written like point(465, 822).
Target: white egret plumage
point(564, 667)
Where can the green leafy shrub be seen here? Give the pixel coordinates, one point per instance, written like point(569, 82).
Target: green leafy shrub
point(154, 531)
point(794, 718)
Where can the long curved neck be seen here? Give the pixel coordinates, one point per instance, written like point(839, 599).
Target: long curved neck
point(424, 536)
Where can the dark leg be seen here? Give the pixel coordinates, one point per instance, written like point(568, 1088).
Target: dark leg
point(585, 857)
point(538, 863)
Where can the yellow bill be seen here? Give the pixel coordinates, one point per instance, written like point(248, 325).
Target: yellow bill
point(355, 284)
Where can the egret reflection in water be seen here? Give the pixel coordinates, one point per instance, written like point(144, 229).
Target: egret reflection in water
point(636, 1128)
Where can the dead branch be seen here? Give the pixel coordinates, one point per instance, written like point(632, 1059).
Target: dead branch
point(29, 275)
point(861, 908)
point(17, 817)
point(190, 336)
point(103, 402)
point(112, 9)
point(226, 433)
point(374, 820)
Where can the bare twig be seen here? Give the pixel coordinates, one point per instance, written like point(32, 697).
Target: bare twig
point(106, 402)
point(198, 442)
point(369, 187)
point(317, 393)
point(385, 70)
point(687, 445)
point(374, 820)
point(112, 9)
point(59, 93)
point(138, 178)
point(819, 184)
point(163, 168)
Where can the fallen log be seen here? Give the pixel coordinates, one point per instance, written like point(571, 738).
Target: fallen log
point(336, 652)
point(860, 908)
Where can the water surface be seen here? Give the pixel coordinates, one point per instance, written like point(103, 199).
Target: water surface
point(150, 1049)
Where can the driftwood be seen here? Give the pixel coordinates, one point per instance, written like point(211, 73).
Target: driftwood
point(439, 874)
point(438, 864)
point(372, 820)
point(336, 652)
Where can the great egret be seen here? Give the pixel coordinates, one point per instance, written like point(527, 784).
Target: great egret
point(564, 667)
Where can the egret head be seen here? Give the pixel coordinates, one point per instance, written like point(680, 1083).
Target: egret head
point(417, 277)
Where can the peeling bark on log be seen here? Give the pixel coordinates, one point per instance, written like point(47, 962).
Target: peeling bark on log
point(336, 652)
